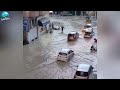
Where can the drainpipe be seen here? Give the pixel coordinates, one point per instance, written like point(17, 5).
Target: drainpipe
point(37, 26)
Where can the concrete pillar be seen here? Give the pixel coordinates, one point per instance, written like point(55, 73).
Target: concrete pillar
point(75, 13)
point(96, 14)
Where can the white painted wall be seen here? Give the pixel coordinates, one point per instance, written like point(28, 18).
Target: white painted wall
point(32, 34)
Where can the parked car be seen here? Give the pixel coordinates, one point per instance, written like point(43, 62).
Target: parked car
point(88, 26)
point(65, 14)
point(51, 13)
point(65, 55)
point(73, 35)
point(88, 34)
point(56, 27)
point(83, 71)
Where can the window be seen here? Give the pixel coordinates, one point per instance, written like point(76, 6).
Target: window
point(25, 25)
point(87, 33)
point(78, 73)
point(69, 52)
point(71, 35)
point(63, 54)
point(84, 74)
point(87, 26)
point(29, 23)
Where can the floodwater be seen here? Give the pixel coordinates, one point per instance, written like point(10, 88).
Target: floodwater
point(40, 55)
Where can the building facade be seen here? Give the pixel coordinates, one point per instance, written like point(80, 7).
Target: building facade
point(29, 26)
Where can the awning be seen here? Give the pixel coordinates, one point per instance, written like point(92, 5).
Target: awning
point(43, 21)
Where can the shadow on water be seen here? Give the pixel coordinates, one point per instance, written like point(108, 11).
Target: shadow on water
point(71, 42)
point(61, 63)
point(87, 39)
point(93, 51)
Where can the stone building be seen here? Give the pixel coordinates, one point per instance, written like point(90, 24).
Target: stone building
point(30, 24)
